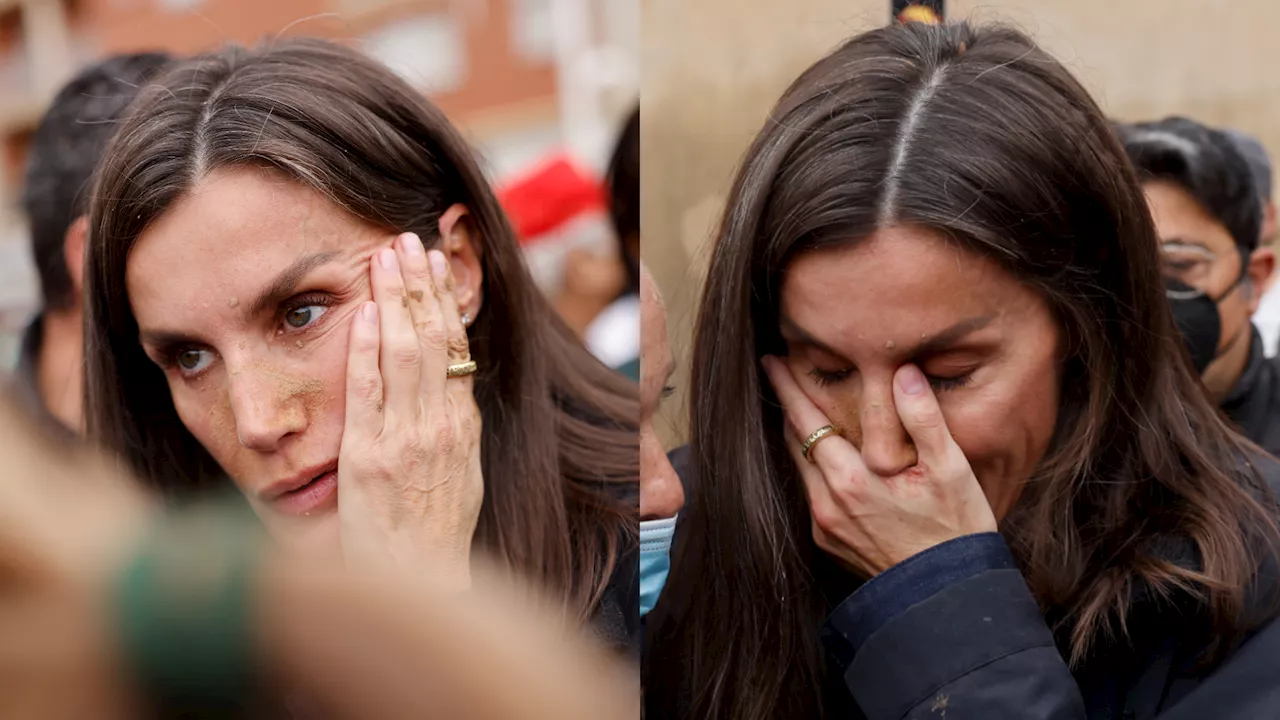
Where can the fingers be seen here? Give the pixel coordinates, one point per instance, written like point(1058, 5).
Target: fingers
point(425, 313)
point(921, 416)
point(831, 453)
point(400, 356)
point(459, 348)
point(364, 416)
point(822, 506)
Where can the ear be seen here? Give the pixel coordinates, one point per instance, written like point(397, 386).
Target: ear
point(1262, 263)
point(462, 246)
point(73, 246)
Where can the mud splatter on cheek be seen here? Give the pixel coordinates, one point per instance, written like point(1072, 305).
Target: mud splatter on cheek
point(846, 417)
point(293, 387)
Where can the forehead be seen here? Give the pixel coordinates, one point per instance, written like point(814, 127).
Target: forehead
point(1178, 215)
point(232, 233)
point(898, 277)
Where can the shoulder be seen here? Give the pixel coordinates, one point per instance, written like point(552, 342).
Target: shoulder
point(1243, 686)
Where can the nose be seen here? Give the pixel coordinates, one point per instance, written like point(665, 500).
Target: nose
point(886, 447)
point(661, 494)
point(265, 412)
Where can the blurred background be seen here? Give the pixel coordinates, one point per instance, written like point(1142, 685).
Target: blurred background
point(540, 87)
point(713, 69)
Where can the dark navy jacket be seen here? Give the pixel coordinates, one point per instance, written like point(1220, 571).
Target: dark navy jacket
point(1254, 402)
point(954, 634)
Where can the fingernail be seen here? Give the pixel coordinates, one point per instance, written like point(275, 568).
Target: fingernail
point(439, 267)
point(910, 380)
point(411, 244)
point(387, 258)
point(370, 313)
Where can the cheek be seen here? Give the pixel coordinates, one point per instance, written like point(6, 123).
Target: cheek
point(1004, 431)
point(206, 413)
point(839, 402)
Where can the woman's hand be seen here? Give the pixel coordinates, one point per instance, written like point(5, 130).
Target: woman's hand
point(870, 522)
point(409, 478)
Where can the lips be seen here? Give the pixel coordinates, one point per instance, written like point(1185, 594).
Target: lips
point(306, 492)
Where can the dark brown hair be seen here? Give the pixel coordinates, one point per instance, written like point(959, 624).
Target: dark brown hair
point(979, 135)
point(559, 447)
point(623, 181)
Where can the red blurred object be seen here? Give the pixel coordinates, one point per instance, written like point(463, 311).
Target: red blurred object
point(554, 193)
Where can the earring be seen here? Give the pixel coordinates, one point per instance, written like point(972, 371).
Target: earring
point(466, 319)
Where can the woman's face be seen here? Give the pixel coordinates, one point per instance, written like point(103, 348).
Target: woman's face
point(852, 316)
point(243, 292)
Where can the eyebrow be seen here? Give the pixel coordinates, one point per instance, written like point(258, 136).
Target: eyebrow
point(277, 292)
point(286, 283)
point(932, 345)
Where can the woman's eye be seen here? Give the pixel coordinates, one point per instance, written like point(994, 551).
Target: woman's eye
point(191, 361)
point(301, 317)
point(828, 377)
point(949, 383)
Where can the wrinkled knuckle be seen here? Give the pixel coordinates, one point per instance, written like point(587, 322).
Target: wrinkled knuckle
point(446, 437)
point(407, 356)
point(433, 336)
point(368, 388)
point(824, 517)
point(413, 453)
point(458, 347)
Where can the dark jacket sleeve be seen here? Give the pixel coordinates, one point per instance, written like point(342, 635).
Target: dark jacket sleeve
point(952, 632)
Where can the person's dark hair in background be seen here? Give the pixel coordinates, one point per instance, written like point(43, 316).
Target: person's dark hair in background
point(1260, 165)
point(65, 150)
point(1208, 217)
point(624, 198)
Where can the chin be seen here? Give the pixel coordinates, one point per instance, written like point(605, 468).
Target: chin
point(315, 536)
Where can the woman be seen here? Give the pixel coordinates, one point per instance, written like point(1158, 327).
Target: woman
point(935, 310)
point(262, 311)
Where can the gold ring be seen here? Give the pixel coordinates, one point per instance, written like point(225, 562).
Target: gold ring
point(814, 437)
point(461, 369)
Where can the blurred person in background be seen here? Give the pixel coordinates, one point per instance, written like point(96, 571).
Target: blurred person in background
point(1267, 317)
point(64, 151)
point(599, 297)
point(661, 494)
point(115, 608)
point(1205, 206)
point(948, 456)
point(302, 286)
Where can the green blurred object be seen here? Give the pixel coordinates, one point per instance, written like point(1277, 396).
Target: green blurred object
point(631, 369)
point(183, 612)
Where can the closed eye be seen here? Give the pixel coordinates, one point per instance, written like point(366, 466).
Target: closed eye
point(824, 378)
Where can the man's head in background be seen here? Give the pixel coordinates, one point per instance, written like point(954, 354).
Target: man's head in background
point(1260, 165)
point(624, 196)
point(1207, 216)
point(64, 152)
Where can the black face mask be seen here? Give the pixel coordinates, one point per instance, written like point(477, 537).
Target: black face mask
point(1196, 315)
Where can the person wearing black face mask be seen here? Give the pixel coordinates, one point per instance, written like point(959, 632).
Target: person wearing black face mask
point(1206, 211)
